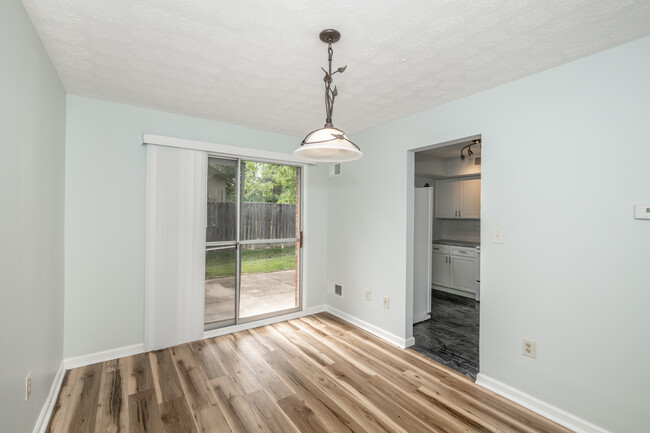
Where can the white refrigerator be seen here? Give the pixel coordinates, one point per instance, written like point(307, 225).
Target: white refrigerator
point(422, 244)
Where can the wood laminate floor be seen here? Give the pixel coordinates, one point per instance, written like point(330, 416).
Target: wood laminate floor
point(313, 374)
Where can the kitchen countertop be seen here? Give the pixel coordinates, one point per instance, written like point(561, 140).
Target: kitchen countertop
point(469, 244)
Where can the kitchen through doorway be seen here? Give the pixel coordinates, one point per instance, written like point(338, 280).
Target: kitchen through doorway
point(446, 264)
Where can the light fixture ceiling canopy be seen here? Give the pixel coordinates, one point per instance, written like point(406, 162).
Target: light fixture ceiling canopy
point(329, 144)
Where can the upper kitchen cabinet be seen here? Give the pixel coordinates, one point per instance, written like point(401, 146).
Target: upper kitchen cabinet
point(470, 198)
point(447, 193)
point(458, 198)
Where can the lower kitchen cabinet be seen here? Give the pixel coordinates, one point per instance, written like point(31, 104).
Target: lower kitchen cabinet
point(462, 275)
point(440, 269)
point(453, 269)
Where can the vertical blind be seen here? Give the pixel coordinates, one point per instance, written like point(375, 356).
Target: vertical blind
point(175, 243)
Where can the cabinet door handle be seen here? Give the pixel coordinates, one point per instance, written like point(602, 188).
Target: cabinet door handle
point(455, 213)
point(458, 213)
point(463, 252)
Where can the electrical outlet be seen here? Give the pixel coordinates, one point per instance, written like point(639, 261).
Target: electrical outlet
point(28, 385)
point(368, 295)
point(528, 348)
point(497, 235)
point(386, 303)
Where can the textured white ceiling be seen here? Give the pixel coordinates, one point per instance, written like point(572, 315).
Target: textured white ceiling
point(257, 63)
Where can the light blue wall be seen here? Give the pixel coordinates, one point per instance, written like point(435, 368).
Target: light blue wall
point(105, 215)
point(32, 146)
point(566, 155)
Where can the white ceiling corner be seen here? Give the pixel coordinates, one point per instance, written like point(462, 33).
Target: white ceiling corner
point(257, 64)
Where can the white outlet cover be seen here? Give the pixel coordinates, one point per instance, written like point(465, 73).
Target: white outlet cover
point(386, 303)
point(368, 295)
point(28, 385)
point(528, 348)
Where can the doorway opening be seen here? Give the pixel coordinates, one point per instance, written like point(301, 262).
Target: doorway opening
point(253, 241)
point(446, 262)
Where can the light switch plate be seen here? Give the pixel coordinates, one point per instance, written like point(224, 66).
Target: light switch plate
point(642, 211)
point(28, 386)
point(497, 235)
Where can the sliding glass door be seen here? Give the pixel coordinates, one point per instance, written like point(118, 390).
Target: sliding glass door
point(253, 247)
point(221, 251)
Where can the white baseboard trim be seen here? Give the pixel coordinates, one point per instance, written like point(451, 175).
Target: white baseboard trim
point(384, 335)
point(106, 355)
point(422, 318)
point(463, 293)
point(264, 322)
point(46, 411)
point(549, 411)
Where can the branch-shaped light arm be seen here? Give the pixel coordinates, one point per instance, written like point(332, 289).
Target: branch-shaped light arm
point(328, 144)
point(330, 94)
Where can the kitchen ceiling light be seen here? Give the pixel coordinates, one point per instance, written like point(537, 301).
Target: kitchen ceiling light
point(469, 149)
point(328, 144)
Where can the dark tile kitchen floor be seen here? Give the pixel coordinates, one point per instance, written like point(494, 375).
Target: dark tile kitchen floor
point(450, 337)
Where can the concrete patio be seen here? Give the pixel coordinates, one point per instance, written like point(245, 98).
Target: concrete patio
point(260, 293)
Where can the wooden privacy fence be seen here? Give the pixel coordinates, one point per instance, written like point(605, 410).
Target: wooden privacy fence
point(259, 221)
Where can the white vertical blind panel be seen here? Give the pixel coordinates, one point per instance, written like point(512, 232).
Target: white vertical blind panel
point(175, 246)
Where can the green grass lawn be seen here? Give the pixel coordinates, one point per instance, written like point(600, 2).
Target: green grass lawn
point(222, 262)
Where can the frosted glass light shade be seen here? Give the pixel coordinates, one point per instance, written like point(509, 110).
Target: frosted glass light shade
point(328, 145)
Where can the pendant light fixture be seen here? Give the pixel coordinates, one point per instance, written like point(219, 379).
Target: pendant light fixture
point(328, 144)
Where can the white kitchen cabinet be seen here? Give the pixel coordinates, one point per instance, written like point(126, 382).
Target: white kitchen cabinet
point(458, 198)
point(440, 269)
point(462, 274)
point(440, 265)
point(454, 269)
point(469, 198)
point(440, 249)
point(447, 198)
